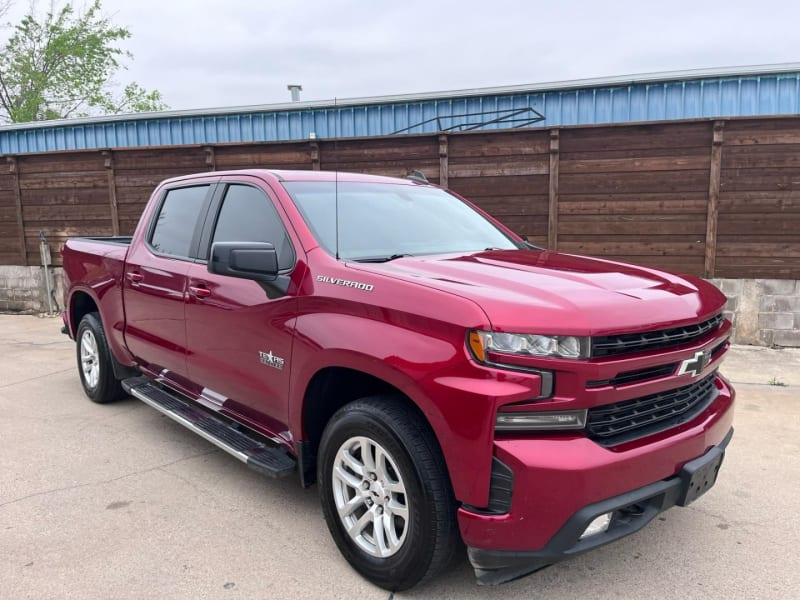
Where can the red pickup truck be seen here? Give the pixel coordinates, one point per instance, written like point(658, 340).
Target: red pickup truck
point(442, 380)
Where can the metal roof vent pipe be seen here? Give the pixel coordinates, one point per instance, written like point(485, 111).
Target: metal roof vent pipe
point(295, 89)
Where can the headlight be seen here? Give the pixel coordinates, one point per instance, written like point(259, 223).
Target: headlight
point(528, 344)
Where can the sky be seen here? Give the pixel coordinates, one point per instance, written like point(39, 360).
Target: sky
point(202, 54)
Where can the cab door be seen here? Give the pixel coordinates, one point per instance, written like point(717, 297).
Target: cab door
point(155, 279)
point(239, 332)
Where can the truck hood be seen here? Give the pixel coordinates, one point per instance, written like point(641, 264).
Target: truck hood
point(530, 291)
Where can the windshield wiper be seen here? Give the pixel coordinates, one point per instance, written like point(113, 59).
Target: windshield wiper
point(380, 259)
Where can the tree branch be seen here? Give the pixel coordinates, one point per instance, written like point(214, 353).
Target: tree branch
point(62, 62)
point(4, 6)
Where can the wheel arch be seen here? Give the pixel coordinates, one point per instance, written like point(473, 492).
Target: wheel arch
point(329, 389)
point(81, 302)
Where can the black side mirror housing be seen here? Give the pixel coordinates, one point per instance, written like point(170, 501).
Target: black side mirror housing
point(246, 260)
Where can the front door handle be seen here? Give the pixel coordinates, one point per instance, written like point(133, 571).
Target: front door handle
point(135, 276)
point(199, 292)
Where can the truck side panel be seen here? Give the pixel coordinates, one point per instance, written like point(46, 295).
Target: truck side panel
point(95, 270)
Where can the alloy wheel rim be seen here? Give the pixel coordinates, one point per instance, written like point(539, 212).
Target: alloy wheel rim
point(370, 497)
point(90, 363)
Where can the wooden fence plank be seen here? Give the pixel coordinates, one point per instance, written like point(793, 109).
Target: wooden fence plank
point(8, 215)
point(314, 153)
point(88, 212)
point(632, 164)
point(761, 250)
point(489, 144)
point(112, 191)
point(694, 229)
point(59, 180)
point(634, 182)
point(532, 204)
point(210, 158)
point(13, 166)
point(444, 166)
point(618, 153)
point(656, 135)
point(552, 193)
point(512, 185)
point(713, 198)
point(635, 248)
point(489, 170)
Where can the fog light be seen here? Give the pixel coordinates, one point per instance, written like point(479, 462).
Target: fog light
point(561, 419)
point(598, 525)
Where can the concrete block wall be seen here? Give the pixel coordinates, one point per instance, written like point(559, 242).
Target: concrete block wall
point(764, 312)
point(23, 289)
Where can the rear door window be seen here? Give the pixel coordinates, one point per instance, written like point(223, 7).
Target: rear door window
point(174, 229)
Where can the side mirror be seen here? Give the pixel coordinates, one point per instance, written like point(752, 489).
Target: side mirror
point(247, 260)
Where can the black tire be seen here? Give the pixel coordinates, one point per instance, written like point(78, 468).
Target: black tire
point(106, 388)
point(431, 539)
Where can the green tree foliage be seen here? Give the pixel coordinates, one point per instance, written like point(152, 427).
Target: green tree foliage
point(62, 64)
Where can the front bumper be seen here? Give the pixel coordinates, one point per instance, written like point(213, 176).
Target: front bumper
point(631, 511)
point(562, 482)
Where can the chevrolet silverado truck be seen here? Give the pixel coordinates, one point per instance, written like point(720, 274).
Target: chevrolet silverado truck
point(444, 382)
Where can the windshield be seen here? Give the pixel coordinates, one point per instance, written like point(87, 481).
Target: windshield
point(382, 221)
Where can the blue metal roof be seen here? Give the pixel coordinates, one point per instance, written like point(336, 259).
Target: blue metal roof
point(753, 91)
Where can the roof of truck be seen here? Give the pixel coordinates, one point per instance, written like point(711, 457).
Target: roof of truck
point(300, 175)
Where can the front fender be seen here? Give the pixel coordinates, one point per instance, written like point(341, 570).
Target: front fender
point(412, 361)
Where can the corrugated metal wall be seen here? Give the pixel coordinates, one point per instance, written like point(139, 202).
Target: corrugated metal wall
point(742, 95)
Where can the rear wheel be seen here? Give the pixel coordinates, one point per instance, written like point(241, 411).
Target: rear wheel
point(94, 361)
point(385, 492)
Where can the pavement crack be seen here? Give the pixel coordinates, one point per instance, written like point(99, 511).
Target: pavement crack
point(106, 481)
point(723, 519)
point(188, 482)
point(110, 416)
point(760, 383)
point(42, 376)
point(37, 344)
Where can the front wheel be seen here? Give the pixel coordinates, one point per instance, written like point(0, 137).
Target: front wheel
point(385, 492)
point(94, 361)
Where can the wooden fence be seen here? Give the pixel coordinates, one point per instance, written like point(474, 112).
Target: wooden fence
point(714, 198)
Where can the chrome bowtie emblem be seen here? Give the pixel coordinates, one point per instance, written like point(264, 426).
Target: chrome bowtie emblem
point(695, 365)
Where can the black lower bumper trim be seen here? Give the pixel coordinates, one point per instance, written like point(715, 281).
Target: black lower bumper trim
point(631, 511)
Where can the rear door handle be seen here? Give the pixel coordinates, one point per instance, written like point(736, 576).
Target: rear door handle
point(135, 276)
point(199, 292)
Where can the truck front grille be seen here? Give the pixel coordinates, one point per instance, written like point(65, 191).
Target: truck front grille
point(611, 345)
point(628, 377)
point(613, 424)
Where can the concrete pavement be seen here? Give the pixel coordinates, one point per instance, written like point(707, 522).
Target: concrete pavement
point(119, 502)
